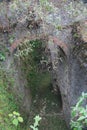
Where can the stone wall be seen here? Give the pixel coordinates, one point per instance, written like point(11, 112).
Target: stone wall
point(69, 66)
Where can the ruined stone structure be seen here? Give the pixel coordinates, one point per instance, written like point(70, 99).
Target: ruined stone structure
point(68, 51)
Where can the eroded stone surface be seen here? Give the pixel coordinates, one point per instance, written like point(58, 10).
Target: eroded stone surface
point(71, 70)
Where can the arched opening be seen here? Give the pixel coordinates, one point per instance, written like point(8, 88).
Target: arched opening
point(46, 101)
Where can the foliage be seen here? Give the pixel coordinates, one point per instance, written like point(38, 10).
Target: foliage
point(15, 118)
point(8, 102)
point(2, 57)
point(79, 114)
point(24, 50)
point(36, 123)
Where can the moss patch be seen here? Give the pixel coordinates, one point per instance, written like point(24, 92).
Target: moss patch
point(8, 102)
point(48, 106)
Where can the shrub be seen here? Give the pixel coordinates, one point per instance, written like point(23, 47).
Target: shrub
point(36, 123)
point(15, 118)
point(79, 114)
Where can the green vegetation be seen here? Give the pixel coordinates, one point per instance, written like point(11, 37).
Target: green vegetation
point(36, 123)
point(2, 57)
point(52, 122)
point(3, 51)
point(79, 114)
point(9, 104)
point(34, 65)
point(15, 118)
point(7, 101)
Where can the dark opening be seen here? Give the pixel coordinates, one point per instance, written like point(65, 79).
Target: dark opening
point(58, 96)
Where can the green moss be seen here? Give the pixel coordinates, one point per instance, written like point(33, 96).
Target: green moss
point(53, 123)
point(49, 106)
point(39, 82)
point(8, 102)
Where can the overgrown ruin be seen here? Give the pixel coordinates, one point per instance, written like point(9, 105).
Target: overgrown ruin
point(65, 37)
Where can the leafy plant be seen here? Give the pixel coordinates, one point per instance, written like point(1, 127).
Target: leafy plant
point(79, 114)
point(36, 123)
point(8, 101)
point(16, 118)
point(2, 57)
